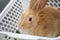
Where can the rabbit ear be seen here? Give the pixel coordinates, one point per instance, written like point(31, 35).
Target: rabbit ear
point(32, 2)
point(37, 4)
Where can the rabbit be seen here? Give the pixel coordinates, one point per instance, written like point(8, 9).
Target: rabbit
point(40, 20)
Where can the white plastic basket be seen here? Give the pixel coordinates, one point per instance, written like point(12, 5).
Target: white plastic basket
point(9, 18)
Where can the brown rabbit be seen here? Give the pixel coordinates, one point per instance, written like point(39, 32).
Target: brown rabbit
point(40, 22)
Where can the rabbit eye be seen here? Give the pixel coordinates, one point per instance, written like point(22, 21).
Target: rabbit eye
point(30, 19)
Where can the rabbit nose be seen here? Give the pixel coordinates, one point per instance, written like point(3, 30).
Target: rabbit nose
point(22, 25)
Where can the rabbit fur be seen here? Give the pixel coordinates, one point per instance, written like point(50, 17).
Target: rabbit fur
point(40, 21)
